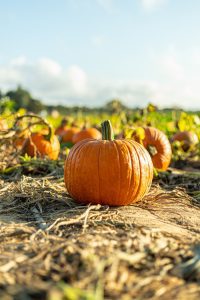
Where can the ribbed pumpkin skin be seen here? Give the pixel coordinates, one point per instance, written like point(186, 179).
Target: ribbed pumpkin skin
point(89, 133)
point(39, 145)
point(188, 138)
point(105, 172)
point(68, 134)
point(156, 138)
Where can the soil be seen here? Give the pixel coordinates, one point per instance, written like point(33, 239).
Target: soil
point(52, 248)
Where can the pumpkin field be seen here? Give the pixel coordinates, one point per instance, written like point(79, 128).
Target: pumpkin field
point(100, 204)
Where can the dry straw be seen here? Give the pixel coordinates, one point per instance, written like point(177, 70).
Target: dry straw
point(52, 246)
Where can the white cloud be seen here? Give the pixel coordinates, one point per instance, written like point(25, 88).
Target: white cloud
point(47, 80)
point(19, 61)
point(150, 5)
point(49, 66)
point(77, 79)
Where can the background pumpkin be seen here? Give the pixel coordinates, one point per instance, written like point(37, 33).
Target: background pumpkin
point(43, 146)
point(158, 145)
point(60, 131)
point(111, 172)
point(88, 133)
point(68, 134)
point(20, 138)
point(188, 139)
point(64, 126)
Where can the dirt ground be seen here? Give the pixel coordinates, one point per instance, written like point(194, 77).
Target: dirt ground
point(51, 248)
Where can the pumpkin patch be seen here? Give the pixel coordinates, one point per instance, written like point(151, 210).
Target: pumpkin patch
point(100, 150)
point(84, 205)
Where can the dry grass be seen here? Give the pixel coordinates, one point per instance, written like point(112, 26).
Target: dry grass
point(52, 248)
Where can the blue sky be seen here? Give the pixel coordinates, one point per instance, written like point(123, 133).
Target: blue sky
point(89, 51)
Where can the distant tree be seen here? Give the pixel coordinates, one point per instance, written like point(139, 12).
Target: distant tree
point(23, 99)
point(115, 106)
point(1, 94)
point(20, 96)
point(35, 106)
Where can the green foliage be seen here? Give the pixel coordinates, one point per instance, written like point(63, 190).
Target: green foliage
point(188, 122)
point(125, 121)
point(6, 105)
point(67, 292)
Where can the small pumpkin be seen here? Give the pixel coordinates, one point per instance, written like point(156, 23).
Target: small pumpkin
point(67, 136)
point(87, 133)
point(158, 145)
point(187, 138)
point(20, 138)
point(107, 171)
point(42, 145)
point(60, 131)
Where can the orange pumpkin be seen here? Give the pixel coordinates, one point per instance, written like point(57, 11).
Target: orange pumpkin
point(69, 133)
point(88, 133)
point(60, 131)
point(62, 128)
point(19, 142)
point(110, 172)
point(20, 138)
point(42, 145)
point(158, 145)
point(188, 139)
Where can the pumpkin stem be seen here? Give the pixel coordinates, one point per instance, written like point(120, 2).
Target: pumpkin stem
point(152, 150)
point(49, 136)
point(107, 131)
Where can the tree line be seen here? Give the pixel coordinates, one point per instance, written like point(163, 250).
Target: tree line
point(21, 98)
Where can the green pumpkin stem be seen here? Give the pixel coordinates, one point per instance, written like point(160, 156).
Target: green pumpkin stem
point(49, 136)
point(107, 131)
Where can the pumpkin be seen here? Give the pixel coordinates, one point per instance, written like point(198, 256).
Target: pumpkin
point(19, 141)
point(60, 131)
point(20, 138)
point(187, 138)
point(42, 145)
point(68, 134)
point(158, 145)
point(87, 133)
point(62, 128)
point(108, 172)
